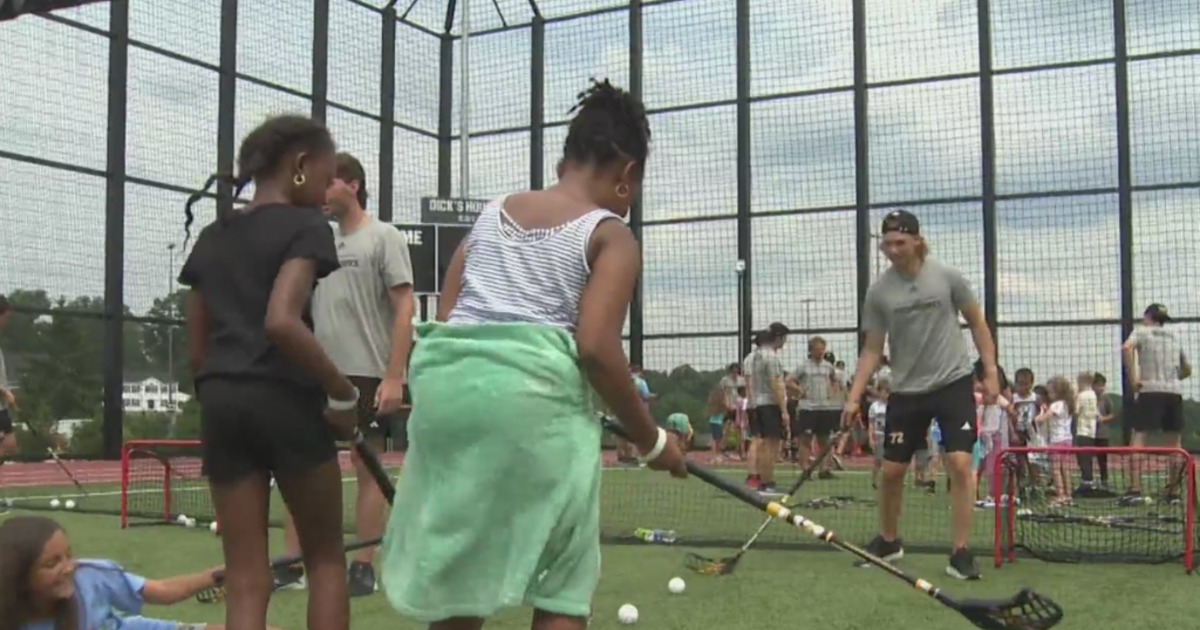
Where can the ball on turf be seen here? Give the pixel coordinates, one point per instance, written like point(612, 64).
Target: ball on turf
point(676, 585)
point(54, 503)
point(70, 505)
point(181, 519)
point(212, 527)
point(628, 614)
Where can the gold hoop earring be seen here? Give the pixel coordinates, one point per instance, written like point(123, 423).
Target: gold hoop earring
point(622, 190)
point(298, 180)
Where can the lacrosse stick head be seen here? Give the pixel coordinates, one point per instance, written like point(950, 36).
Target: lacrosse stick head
point(709, 566)
point(212, 595)
point(1027, 610)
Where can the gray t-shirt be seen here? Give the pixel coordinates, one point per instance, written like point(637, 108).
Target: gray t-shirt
point(816, 378)
point(765, 367)
point(919, 315)
point(352, 311)
point(1159, 358)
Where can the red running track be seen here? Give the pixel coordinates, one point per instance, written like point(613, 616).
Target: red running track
point(48, 473)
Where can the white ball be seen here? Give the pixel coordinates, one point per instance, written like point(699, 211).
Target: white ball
point(191, 522)
point(70, 504)
point(181, 519)
point(54, 503)
point(8, 503)
point(676, 585)
point(628, 614)
point(212, 527)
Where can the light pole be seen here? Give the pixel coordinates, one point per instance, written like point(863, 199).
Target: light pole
point(807, 302)
point(171, 339)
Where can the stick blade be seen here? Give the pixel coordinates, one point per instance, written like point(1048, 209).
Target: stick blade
point(708, 566)
point(1027, 610)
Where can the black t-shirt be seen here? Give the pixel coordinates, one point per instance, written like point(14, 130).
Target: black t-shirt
point(234, 264)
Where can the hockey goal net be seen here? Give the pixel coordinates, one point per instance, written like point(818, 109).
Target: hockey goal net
point(1088, 504)
point(161, 481)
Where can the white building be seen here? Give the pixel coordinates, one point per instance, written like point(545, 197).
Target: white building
point(153, 395)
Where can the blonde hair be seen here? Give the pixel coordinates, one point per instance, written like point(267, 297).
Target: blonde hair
point(1085, 379)
point(922, 248)
point(1062, 390)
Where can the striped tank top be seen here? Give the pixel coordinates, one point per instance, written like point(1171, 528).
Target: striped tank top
point(514, 275)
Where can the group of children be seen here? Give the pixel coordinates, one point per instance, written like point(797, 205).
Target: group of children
point(1057, 414)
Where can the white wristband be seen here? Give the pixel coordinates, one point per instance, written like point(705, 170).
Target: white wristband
point(659, 445)
point(344, 405)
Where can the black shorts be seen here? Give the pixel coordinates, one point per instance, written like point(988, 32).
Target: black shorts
point(259, 425)
point(767, 422)
point(906, 428)
point(819, 422)
point(1158, 411)
point(374, 427)
point(6, 425)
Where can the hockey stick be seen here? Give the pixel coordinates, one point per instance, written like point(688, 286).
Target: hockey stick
point(725, 566)
point(1027, 610)
point(54, 456)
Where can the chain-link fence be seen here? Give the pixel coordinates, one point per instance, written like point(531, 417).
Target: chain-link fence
point(1050, 148)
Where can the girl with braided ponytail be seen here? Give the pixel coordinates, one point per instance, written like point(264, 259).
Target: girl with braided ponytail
point(499, 502)
point(271, 400)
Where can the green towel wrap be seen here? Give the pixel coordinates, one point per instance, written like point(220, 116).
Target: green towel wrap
point(498, 503)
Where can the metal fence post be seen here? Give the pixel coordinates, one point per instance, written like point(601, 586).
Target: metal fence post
point(862, 163)
point(987, 143)
point(744, 180)
point(227, 104)
point(637, 330)
point(387, 116)
point(320, 59)
point(114, 229)
point(1124, 192)
point(537, 102)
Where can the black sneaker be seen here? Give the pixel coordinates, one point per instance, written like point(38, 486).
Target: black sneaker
point(362, 579)
point(289, 579)
point(962, 565)
point(887, 551)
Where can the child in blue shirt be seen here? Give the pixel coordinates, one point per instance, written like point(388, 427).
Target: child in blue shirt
point(54, 591)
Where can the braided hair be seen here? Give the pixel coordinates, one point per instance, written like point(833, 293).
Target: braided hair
point(261, 153)
point(609, 124)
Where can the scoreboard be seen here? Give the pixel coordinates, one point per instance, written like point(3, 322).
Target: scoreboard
point(432, 245)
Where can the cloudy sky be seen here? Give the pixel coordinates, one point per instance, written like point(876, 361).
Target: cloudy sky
point(1055, 131)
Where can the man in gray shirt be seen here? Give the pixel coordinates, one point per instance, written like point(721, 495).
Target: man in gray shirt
point(769, 420)
point(362, 314)
point(819, 410)
point(915, 306)
point(1156, 364)
point(8, 437)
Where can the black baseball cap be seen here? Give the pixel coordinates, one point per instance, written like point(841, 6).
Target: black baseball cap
point(777, 330)
point(1158, 312)
point(901, 221)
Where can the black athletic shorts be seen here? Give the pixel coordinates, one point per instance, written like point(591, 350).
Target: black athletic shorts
point(767, 422)
point(375, 427)
point(818, 422)
point(6, 425)
point(1158, 411)
point(906, 428)
point(261, 425)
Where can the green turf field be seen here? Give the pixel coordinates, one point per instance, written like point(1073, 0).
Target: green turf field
point(801, 589)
